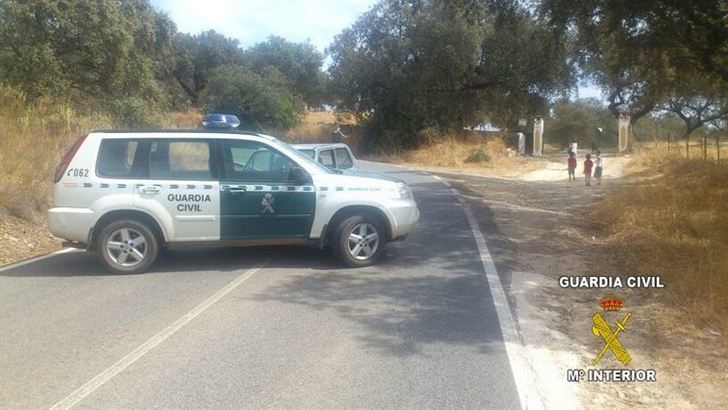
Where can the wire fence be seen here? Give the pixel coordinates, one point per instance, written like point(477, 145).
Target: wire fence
point(707, 148)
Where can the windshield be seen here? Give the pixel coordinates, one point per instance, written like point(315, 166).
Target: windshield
point(214, 117)
point(308, 152)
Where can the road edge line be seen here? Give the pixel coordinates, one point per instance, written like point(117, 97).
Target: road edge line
point(100, 379)
point(523, 375)
point(36, 259)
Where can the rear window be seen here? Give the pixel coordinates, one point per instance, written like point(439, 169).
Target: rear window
point(326, 157)
point(343, 159)
point(117, 158)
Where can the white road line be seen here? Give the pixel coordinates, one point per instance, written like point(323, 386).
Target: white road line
point(523, 375)
point(98, 381)
point(36, 259)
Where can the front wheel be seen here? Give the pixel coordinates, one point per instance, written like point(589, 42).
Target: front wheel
point(127, 246)
point(359, 241)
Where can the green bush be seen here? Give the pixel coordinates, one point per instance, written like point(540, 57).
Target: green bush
point(477, 156)
point(133, 112)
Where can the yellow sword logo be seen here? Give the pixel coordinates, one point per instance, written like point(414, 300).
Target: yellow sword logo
point(601, 328)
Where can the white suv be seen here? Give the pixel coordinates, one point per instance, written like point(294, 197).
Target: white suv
point(127, 194)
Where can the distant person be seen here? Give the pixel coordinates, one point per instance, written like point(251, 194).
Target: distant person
point(337, 135)
point(598, 168)
point(588, 170)
point(594, 148)
point(574, 146)
point(571, 163)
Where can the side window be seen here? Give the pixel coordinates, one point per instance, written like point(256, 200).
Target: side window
point(255, 162)
point(261, 161)
point(343, 159)
point(116, 158)
point(326, 157)
point(170, 159)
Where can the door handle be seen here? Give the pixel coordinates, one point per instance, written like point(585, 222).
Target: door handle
point(151, 189)
point(237, 190)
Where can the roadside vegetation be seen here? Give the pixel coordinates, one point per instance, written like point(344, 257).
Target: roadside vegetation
point(670, 220)
point(34, 136)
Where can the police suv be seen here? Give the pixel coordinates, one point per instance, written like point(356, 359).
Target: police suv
point(128, 194)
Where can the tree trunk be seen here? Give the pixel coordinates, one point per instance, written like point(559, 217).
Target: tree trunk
point(624, 127)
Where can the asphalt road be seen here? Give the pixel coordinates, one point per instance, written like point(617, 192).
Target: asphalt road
point(419, 330)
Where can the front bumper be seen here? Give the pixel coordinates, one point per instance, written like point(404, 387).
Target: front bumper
point(405, 214)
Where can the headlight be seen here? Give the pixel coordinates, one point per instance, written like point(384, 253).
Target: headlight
point(404, 191)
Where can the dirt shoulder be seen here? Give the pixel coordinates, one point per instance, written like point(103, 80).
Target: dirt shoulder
point(537, 227)
point(25, 238)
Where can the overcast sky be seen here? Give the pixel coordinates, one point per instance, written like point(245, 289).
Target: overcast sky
point(252, 21)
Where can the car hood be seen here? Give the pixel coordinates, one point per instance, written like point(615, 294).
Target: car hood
point(374, 175)
point(359, 182)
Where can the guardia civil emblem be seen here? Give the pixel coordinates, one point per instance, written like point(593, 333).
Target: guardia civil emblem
point(267, 203)
point(608, 334)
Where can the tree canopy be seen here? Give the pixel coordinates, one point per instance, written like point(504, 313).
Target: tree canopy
point(300, 63)
point(86, 48)
point(409, 65)
point(125, 57)
point(650, 55)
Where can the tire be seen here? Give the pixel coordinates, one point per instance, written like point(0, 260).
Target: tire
point(127, 246)
point(354, 244)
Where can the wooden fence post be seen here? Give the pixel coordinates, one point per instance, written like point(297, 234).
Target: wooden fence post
point(717, 148)
point(668, 144)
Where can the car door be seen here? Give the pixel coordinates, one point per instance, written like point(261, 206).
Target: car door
point(260, 196)
point(181, 188)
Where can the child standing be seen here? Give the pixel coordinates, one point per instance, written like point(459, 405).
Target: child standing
point(572, 166)
point(588, 170)
point(598, 168)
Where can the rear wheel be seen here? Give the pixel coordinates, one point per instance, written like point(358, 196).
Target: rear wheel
point(127, 246)
point(359, 241)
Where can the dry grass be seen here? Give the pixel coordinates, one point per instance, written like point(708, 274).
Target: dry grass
point(314, 127)
point(473, 153)
point(672, 222)
point(33, 138)
point(182, 119)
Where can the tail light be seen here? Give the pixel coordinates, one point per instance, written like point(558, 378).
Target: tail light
point(61, 169)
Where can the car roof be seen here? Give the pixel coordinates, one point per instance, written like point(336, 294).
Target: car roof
point(320, 145)
point(185, 133)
